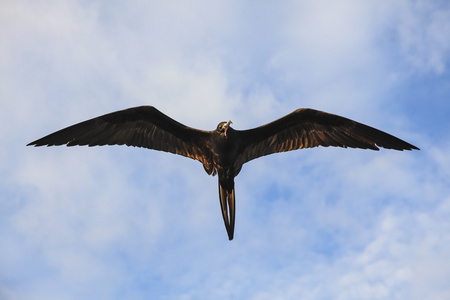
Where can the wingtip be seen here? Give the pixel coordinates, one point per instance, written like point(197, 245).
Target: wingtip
point(410, 148)
point(36, 144)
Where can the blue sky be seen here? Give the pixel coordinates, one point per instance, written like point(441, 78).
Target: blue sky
point(129, 223)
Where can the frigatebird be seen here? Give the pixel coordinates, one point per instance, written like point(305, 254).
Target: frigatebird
point(224, 150)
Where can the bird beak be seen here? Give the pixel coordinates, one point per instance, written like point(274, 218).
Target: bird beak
point(226, 126)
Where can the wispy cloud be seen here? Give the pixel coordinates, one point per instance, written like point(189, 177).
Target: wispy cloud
point(118, 222)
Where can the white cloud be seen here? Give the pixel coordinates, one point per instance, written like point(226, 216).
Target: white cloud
point(132, 223)
point(422, 27)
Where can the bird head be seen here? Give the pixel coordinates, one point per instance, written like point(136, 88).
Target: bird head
point(223, 127)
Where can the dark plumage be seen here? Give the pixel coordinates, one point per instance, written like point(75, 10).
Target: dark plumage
point(223, 151)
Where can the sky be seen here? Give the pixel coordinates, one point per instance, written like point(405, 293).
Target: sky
point(129, 223)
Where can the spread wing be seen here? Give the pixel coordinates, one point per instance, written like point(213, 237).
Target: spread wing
point(308, 128)
point(143, 126)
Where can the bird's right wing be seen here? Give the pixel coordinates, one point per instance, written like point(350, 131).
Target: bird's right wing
point(307, 128)
point(143, 126)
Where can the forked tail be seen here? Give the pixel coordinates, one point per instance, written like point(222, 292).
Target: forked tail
point(227, 203)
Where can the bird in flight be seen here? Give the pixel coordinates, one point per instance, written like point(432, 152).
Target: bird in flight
point(224, 150)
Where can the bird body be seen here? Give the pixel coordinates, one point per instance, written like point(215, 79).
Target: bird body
point(223, 151)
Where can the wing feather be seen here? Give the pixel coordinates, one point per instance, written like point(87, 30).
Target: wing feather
point(308, 128)
point(142, 126)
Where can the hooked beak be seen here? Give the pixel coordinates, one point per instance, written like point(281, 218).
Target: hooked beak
point(227, 126)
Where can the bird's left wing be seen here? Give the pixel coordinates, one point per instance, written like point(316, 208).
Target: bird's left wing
point(143, 126)
point(307, 128)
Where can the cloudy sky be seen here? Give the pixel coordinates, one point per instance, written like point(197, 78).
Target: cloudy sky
point(129, 223)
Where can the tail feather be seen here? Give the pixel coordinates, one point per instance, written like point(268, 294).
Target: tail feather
point(227, 203)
